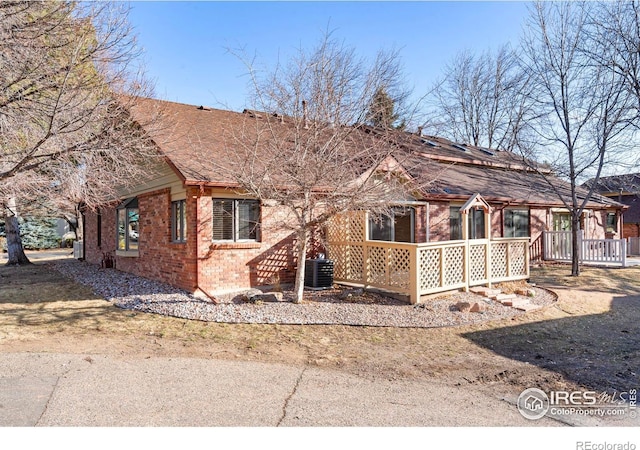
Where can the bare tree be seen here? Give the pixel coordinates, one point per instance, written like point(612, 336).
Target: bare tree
point(582, 107)
point(68, 77)
point(614, 43)
point(480, 100)
point(306, 146)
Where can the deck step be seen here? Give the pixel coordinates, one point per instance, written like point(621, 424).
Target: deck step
point(515, 302)
point(500, 297)
point(527, 307)
point(483, 290)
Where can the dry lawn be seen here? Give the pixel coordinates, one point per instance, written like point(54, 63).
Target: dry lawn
point(588, 338)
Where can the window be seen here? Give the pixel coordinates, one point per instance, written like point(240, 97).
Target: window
point(455, 223)
point(516, 223)
point(612, 222)
point(236, 220)
point(561, 221)
point(399, 227)
point(476, 223)
point(179, 221)
point(128, 225)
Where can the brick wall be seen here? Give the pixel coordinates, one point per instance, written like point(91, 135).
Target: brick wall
point(420, 223)
point(95, 245)
point(631, 230)
point(496, 222)
point(200, 262)
point(439, 221)
point(158, 258)
point(228, 266)
point(538, 222)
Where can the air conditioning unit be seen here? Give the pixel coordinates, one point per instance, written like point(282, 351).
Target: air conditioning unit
point(318, 273)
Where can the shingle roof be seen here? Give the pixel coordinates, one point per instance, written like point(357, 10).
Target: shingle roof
point(201, 142)
point(627, 183)
point(509, 186)
point(196, 139)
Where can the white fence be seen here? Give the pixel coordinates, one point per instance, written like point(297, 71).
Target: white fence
point(557, 247)
point(421, 269)
point(633, 246)
point(78, 249)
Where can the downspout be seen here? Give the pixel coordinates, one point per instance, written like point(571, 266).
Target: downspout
point(84, 237)
point(84, 234)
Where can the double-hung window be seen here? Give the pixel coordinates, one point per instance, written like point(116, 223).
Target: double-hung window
point(128, 216)
point(179, 221)
point(236, 220)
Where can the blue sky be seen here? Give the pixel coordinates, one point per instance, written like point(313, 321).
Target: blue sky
point(186, 43)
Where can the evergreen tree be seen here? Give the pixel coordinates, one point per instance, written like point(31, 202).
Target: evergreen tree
point(382, 111)
point(36, 233)
point(39, 233)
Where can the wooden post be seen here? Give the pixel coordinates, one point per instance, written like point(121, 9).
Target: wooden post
point(414, 275)
point(464, 217)
point(487, 253)
point(487, 256)
point(442, 266)
point(365, 248)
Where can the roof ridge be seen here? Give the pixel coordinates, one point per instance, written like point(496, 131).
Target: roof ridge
point(202, 107)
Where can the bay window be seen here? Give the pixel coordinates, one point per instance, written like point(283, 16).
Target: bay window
point(128, 222)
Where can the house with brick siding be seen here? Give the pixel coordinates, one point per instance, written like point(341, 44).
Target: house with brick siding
point(188, 224)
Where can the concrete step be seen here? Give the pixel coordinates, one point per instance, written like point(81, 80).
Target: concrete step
point(483, 290)
point(527, 307)
point(515, 302)
point(500, 297)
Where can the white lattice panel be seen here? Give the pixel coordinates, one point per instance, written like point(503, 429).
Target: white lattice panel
point(429, 268)
point(453, 265)
point(477, 262)
point(517, 258)
point(400, 268)
point(499, 260)
point(378, 265)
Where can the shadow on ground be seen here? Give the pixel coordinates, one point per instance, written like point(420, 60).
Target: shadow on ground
point(32, 284)
point(599, 351)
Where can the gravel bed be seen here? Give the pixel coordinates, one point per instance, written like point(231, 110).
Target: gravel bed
point(131, 292)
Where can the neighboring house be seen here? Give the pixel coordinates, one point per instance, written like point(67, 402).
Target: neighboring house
point(189, 227)
point(624, 189)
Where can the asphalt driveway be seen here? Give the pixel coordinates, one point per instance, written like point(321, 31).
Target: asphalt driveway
point(42, 389)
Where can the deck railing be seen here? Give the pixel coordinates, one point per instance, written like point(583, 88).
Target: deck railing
point(422, 269)
point(558, 247)
point(633, 246)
